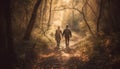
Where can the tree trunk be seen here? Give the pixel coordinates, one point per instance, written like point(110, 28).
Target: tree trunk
point(32, 21)
point(99, 15)
point(8, 57)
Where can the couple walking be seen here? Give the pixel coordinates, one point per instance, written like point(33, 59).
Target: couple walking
point(66, 34)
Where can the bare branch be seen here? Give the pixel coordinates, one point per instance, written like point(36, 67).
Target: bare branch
point(86, 20)
point(92, 9)
point(81, 13)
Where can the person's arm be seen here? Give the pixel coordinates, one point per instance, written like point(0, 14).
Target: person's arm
point(63, 33)
point(55, 34)
point(60, 33)
point(70, 34)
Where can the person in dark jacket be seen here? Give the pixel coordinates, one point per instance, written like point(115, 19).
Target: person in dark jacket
point(67, 34)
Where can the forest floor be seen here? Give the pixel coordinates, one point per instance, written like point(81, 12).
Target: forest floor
point(80, 55)
point(62, 57)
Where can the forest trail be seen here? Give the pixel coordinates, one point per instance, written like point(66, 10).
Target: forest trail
point(63, 58)
point(59, 60)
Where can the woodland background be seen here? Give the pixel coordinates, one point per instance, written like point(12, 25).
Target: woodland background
point(27, 30)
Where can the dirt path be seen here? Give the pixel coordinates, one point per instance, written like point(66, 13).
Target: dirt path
point(63, 58)
point(60, 60)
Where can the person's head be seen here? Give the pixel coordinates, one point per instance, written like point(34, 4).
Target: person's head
point(58, 27)
point(66, 26)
